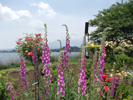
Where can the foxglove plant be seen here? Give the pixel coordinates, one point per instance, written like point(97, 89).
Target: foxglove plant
point(60, 81)
point(102, 62)
point(67, 47)
point(102, 51)
point(10, 89)
point(46, 61)
point(82, 79)
point(23, 72)
point(113, 86)
point(35, 62)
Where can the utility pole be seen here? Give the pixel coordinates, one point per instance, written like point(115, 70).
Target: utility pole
point(87, 34)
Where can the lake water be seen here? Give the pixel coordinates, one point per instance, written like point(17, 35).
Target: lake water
point(7, 58)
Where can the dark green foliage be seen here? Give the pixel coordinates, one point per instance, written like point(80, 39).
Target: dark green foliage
point(89, 64)
point(124, 90)
point(119, 17)
point(5, 67)
point(123, 60)
point(53, 59)
point(3, 92)
point(74, 59)
point(15, 64)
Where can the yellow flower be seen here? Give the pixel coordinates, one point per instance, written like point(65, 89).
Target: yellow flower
point(119, 74)
point(117, 70)
point(97, 45)
point(111, 75)
point(88, 43)
point(112, 70)
point(129, 73)
point(4, 72)
point(92, 45)
point(105, 55)
point(121, 77)
point(125, 75)
point(122, 72)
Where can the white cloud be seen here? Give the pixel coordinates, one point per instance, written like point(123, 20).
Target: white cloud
point(7, 14)
point(37, 24)
point(45, 9)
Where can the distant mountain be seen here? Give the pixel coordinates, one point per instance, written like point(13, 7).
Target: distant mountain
point(56, 44)
point(73, 49)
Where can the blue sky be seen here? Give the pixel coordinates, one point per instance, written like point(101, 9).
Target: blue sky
point(28, 16)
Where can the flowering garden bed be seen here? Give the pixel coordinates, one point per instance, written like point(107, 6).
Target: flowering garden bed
point(89, 79)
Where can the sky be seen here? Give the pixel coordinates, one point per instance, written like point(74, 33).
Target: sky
point(29, 16)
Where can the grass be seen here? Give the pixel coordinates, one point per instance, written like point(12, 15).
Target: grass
point(73, 61)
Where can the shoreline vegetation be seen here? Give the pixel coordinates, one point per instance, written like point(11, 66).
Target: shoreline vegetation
point(73, 49)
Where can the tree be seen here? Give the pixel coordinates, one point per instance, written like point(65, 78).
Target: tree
point(119, 17)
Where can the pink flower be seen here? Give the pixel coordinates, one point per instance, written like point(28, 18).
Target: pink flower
point(37, 34)
point(26, 51)
point(105, 88)
point(38, 48)
point(30, 54)
point(40, 57)
point(104, 76)
point(20, 38)
point(107, 80)
point(18, 42)
point(17, 50)
point(116, 78)
point(35, 44)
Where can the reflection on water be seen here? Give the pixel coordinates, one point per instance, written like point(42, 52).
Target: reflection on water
point(7, 58)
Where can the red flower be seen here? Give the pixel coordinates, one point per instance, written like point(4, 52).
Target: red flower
point(110, 78)
point(104, 76)
point(28, 46)
point(105, 88)
point(92, 75)
point(18, 42)
point(38, 48)
point(116, 78)
point(25, 43)
point(17, 50)
point(107, 80)
point(28, 38)
point(30, 54)
point(35, 44)
point(26, 51)
point(40, 39)
point(37, 34)
point(20, 38)
point(40, 57)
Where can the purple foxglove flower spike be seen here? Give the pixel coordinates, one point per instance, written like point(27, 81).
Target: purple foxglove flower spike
point(82, 79)
point(11, 89)
point(67, 47)
point(60, 81)
point(23, 72)
point(46, 61)
point(34, 62)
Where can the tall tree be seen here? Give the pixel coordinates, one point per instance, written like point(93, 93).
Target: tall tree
point(119, 17)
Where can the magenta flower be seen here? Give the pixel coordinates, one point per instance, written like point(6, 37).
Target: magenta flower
point(67, 47)
point(113, 86)
point(101, 68)
point(22, 72)
point(46, 61)
point(82, 79)
point(60, 81)
point(34, 62)
point(11, 89)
